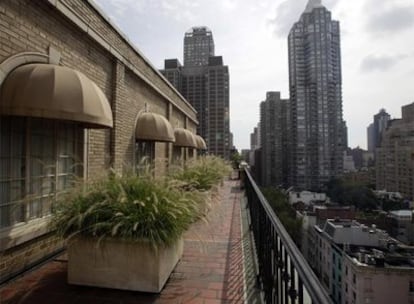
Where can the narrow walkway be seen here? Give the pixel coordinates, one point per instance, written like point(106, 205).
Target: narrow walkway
point(211, 270)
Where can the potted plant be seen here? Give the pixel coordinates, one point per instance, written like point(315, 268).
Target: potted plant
point(204, 173)
point(125, 232)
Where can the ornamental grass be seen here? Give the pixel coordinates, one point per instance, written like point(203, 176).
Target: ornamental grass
point(130, 207)
point(203, 173)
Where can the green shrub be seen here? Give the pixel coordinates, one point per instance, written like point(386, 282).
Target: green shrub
point(128, 207)
point(203, 173)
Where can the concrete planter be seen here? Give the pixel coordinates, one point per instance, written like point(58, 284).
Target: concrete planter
point(121, 264)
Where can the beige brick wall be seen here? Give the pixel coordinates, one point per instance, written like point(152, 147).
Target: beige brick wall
point(35, 26)
point(16, 259)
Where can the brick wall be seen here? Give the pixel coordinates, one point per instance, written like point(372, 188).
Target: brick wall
point(35, 26)
point(22, 257)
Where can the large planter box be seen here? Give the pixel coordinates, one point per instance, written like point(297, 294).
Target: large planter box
point(121, 264)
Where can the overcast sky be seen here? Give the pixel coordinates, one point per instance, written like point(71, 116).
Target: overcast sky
point(377, 45)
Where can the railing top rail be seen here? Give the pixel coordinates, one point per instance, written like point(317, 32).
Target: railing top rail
point(308, 277)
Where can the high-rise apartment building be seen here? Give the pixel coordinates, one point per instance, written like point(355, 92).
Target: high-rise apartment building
point(273, 127)
point(204, 82)
point(317, 138)
point(395, 155)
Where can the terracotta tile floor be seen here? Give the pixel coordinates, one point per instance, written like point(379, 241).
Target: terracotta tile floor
point(211, 270)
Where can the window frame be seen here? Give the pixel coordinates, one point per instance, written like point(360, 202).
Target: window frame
point(32, 224)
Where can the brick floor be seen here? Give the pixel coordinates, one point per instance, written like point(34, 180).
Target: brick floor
point(210, 271)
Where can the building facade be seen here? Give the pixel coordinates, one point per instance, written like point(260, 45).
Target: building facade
point(370, 138)
point(198, 46)
point(273, 129)
point(395, 155)
point(204, 82)
point(380, 124)
point(83, 123)
point(317, 138)
point(358, 264)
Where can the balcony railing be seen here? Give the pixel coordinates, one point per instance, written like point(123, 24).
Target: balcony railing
point(284, 275)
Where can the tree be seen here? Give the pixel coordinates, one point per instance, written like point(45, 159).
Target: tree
point(362, 197)
point(279, 202)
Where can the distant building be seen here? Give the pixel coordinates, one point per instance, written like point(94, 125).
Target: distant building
point(371, 138)
point(361, 264)
point(255, 153)
point(273, 127)
point(402, 226)
point(362, 158)
point(245, 154)
point(318, 215)
point(198, 46)
point(395, 155)
point(381, 120)
point(349, 164)
point(364, 177)
point(204, 82)
point(253, 145)
point(173, 72)
point(317, 136)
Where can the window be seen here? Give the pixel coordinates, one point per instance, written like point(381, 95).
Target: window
point(39, 158)
point(144, 156)
point(177, 155)
point(190, 153)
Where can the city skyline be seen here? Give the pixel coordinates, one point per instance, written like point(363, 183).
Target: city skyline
point(377, 52)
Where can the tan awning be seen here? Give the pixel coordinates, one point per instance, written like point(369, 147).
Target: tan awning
point(184, 138)
point(153, 127)
point(55, 92)
point(201, 144)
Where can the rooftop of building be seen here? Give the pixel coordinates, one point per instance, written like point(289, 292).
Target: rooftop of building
point(312, 4)
point(393, 256)
point(402, 213)
point(368, 246)
point(198, 30)
point(351, 232)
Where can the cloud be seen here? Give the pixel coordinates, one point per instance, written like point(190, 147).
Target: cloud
point(381, 63)
point(288, 12)
point(393, 20)
point(229, 5)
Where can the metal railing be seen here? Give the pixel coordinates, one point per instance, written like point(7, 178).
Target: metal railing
point(284, 275)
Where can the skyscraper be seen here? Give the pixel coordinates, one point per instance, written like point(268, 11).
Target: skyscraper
point(198, 46)
point(317, 136)
point(273, 126)
point(204, 82)
point(381, 120)
point(370, 138)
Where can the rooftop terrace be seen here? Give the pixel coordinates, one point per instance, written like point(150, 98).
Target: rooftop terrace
point(242, 254)
point(216, 267)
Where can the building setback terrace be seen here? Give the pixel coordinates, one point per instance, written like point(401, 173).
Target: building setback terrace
point(216, 266)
